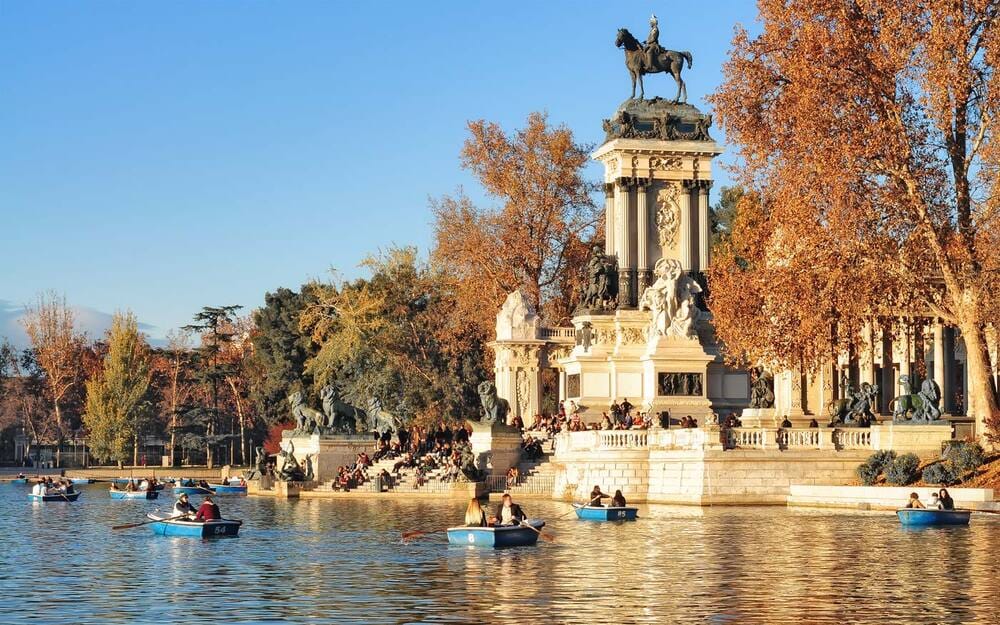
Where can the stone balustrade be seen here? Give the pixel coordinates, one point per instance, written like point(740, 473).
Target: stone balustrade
point(900, 438)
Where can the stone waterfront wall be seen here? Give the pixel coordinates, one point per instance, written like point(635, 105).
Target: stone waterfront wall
point(881, 497)
point(711, 466)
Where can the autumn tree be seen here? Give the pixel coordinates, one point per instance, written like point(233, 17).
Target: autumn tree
point(536, 239)
point(386, 342)
point(119, 401)
point(58, 350)
point(22, 393)
point(172, 376)
point(867, 127)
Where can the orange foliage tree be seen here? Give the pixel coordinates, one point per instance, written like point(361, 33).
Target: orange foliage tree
point(866, 129)
point(535, 240)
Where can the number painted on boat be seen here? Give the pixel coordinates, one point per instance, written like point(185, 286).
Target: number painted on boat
point(622, 514)
point(472, 537)
point(221, 529)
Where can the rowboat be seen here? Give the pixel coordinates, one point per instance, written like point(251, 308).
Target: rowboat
point(192, 490)
point(54, 497)
point(925, 517)
point(133, 494)
point(81, 480)
point(18, 480)
point(228, 489)
point(208, 529)
point(497, 537)
point(605, 513)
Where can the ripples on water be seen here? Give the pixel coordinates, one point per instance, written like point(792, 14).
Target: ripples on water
point(341, 561)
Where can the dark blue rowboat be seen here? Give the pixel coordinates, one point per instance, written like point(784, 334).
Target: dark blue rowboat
point(192, 490)
point(497, 537)
point(19, 480)
point(228, 489)
point(54, 497)
point(925, 517)
point(605, 513)
point(134, 494)
point(222, 528)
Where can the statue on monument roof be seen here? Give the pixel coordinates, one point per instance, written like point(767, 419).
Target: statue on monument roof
point(651, 58)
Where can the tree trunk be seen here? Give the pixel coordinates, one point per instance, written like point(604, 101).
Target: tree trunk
point(982, 401)
point(59, 430)
point(135, 449)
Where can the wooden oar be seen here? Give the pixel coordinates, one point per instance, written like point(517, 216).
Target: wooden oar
point(546, 537)
point(128, 525)
point(419, 533)
point(987, 511)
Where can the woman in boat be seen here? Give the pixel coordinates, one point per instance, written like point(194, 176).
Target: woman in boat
point(914, 501)
point(947, 503)
point(935, 503)
point(208, 511)
point(475, 516)
point(618, 501)
point(596, 496)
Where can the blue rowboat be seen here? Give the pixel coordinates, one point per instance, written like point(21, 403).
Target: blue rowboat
point(54, 497)
point(221, 528)
point(192, 490)
point(228, 489)
point(134, 494)
point(925, 517)
point(81, 480)
point(19, 480)
point(605, 513)
point(497, 537)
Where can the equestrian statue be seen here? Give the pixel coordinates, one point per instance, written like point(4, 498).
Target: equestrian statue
point(651, 58)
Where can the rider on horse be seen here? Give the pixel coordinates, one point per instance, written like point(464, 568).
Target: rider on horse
point(653, 48)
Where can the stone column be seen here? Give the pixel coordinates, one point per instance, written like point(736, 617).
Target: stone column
point(866, 365)
point(625, 267)
point(939, 360)
point(948, 388)
point(704, 227)
point(887, 383)
point(684, 232)
point(642, 227)
point(904, 361)
point(609, 219)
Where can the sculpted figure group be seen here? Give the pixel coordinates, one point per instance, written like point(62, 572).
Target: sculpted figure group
point(671, 299)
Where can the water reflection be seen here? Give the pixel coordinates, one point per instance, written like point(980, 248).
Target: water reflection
point(342, 561)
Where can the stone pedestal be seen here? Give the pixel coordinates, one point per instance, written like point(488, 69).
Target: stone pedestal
point(496, 447)
point(675, 378)
point(327, 453)
point(759, 418)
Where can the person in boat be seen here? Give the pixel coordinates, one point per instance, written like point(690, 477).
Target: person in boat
point(208, 511)
point(914, 501)
point(39, 488)
point(508, 512)
point(203, 484)
point(183, 507)
point(618, 501)
point(67, 487)
point(596, 496)
point(475, 516)
point(947, 502)
point(935, 503)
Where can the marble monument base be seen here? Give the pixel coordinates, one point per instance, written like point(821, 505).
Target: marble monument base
point(497, 447)
point(327, 452)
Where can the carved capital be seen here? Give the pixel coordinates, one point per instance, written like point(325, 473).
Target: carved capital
point(625, 184)
point(688, 184)
point(609, 189)
point(702, 185)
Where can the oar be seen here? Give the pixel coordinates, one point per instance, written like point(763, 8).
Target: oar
point(546, 537)
point(987, 511)
point(128, 525)
point(419, 533)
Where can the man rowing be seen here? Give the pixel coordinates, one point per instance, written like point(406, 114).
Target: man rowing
point(184, 508)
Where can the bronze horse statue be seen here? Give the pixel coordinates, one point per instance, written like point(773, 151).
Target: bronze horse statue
point(667, 61)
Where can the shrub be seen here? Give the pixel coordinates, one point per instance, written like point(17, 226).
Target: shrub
point(903, 470)
point(868, 473)
point(939, 473)
point(877, 464)
point(882, 459)
point(965, 457)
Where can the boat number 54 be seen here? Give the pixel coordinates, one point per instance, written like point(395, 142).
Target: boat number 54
point(221, 529)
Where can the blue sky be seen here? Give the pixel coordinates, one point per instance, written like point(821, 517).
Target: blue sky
point(162, 156)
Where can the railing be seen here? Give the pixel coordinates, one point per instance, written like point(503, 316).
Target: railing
point(622, 439)
point(853, 438)
point(746, 438)
point(800, 438)
point(526, 485)
point(557, 333)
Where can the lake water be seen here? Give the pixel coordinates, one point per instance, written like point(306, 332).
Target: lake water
point(342, 561)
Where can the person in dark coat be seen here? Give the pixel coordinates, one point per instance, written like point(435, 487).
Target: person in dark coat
point(618, 501)
point(508, 512)
point(208, 511)
point(596, 496)
point(947, 502)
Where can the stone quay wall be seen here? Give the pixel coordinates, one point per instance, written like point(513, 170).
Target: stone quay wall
point(708, 466)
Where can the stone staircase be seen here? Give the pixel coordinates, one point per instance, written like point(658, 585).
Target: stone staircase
point(537, 476)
